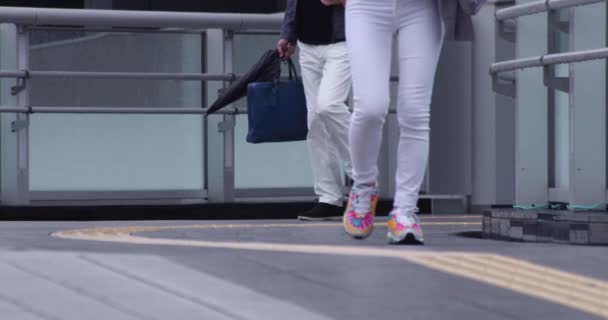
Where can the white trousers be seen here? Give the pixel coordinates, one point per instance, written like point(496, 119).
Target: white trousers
point(371, 26)
point(327, 83)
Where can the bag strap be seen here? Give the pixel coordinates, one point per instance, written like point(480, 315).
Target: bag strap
point(293, 73)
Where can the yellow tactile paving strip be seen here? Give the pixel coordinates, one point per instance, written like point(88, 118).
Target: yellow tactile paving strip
point(576, 291)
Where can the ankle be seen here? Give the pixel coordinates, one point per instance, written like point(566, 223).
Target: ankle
point(404, 211)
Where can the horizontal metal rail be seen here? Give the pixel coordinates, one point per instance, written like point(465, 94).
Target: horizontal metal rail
point(180, 31)
point(139, 19)
point(118, 75)
point(183, 31)
point(126, 110)
point(129, 75)
point(118, 110)
point(549, 59)
point(539, 7)
point(442, 196)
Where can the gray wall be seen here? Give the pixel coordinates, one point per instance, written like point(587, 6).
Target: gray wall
point(493, 165)
point(451, 127)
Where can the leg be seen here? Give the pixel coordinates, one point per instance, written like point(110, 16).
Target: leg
point(323, 169)
point(420, 39)
point(369, 33)
point(331, 105)
point(369, 30)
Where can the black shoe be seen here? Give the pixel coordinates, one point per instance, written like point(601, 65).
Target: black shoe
point(323, 212)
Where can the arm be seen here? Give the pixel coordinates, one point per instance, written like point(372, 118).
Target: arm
point(288, 31)
point(288, 38)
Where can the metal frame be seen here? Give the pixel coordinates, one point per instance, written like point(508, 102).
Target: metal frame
point(14, 135)
point(218, 30)
point(97, 20)
point(226, 127)
point(503, 114)
point(587, 109)
point(215, 164)
point(555, 84)
point(549, 59)
point(100, 195)
point(307, 192)
point(539, 6)
point(139, 19)
point(117, 75)
point(118, 110)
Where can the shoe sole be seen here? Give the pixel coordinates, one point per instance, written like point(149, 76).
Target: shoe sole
point(357, 236)
point(409, 239)
point(305, 218)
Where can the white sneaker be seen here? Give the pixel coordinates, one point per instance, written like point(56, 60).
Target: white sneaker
point(404, 228)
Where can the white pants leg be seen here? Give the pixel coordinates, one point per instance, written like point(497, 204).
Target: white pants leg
point(327, 83)
point(370, 28)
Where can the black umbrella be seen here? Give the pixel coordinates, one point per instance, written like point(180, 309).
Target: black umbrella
point(268, 68)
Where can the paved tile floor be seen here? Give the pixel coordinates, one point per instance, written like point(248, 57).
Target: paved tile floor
point(289, 270)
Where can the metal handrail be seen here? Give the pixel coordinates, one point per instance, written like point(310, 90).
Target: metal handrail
point(267, 32)
point(127, 75)
point(549, 59)
point(118, 75)
point(232, 110)
point(130, 21)
point(539, 7)
point(139, 19)
point(118, 110)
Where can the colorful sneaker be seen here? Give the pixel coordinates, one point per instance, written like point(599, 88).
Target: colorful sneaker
point(360, 211)
point(404, 228)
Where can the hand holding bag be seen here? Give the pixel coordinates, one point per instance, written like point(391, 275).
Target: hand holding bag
point(276, 110)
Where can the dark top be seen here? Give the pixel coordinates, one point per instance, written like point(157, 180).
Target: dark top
point(313, 23)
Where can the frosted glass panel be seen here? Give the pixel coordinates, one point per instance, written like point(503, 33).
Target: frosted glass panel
point(265, 165)
point(273, 165)
point(116, 152)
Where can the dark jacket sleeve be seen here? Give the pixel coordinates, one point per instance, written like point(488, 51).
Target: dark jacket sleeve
point(289, 31)
point(463, 30)
point(471, 7)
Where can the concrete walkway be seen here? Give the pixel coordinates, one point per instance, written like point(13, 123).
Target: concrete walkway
point(289, 270)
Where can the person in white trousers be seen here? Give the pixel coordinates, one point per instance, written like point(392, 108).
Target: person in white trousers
point(371, 27)
point(318, 28)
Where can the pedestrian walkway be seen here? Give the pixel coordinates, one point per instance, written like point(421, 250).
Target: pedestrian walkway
point(285, 269)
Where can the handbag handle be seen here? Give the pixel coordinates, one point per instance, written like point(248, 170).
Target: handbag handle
point(293, 73)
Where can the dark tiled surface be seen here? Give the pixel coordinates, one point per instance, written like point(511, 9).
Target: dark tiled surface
point(325, 286)
point(547, 226)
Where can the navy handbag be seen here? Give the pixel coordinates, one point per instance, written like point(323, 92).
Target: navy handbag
point(277, 110)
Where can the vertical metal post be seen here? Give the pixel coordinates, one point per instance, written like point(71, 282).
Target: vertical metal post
point(558, 87)
point(497, 126)
point(230, 122)
point(14, 144)
point(220, 128)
